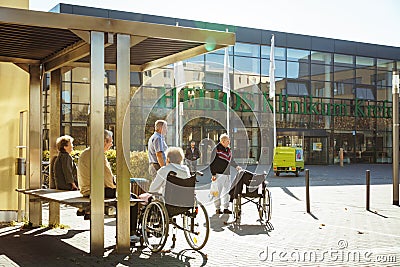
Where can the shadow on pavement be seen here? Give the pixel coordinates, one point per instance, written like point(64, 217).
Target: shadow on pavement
point(34, 247)
point(288, 192)
point(254, 229)
point(218, 222)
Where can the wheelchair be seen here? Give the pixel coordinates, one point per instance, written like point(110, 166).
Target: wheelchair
point(249, 187)
point(179, 201)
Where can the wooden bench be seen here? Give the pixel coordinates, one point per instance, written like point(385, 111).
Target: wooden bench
point(71, 198)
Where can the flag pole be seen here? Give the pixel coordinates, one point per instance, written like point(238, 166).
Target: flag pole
point(226, 85)
point(274, 114)
point(272, 83)
point(176, 115)
point(179, 75)
point(227, 112)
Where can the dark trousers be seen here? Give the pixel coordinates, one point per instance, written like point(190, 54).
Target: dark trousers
point(111, 193)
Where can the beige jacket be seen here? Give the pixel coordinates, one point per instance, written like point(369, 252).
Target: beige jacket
point(84, 173)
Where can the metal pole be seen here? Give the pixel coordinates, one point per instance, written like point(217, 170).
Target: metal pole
point(20, 155)
point(341, 157)
point(395, 92)
point(367, 182)
point(308, 190)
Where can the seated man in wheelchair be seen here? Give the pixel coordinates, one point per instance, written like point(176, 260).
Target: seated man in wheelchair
point(174, 164)
point(171, 194)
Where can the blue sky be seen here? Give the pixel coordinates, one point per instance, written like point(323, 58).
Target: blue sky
point(368, 21)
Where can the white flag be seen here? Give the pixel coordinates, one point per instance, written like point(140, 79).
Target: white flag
point(179, 75)
point(226, 85)
point(272, 69)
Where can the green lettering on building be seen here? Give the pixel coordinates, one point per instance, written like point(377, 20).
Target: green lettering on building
point(305, 105)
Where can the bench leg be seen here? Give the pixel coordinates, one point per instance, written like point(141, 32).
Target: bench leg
point(35, 212)
point(54, 213)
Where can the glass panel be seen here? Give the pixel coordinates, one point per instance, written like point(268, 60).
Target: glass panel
point(81, 75)
point(67, 76)
point(112, 91)
point(80, 93)
point(299, 88)
point(321, 58)
point(384, 151)
point(321, 89)
point(242, 80)
point(343, 74)
point(248, 50)
point(66, 92)
point(298, 55)
point(297, 70)
point(384, 78)
point(364, 62)
point(384, 64)
point(365, 93)
point(66, 112)
point(216, 62)
point(110, 115)
point(79, 133)
point(280, 52)
point(321, 72)
point(366, 75)
point(343, 60)
point(247, 65)
point(384, 93)
point(80, 113)
point(343, 90)
point(280, 68)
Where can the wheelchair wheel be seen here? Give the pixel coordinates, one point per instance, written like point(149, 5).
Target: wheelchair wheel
point(265, 206)
point(155, 226)
point(196, 225)
point(237, 209)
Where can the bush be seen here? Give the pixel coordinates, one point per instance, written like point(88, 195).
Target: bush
point(140, 165)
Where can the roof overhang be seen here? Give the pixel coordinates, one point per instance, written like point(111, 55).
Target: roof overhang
point(55, 40)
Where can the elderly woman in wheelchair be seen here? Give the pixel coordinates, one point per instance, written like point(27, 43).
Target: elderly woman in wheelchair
point(173, 194)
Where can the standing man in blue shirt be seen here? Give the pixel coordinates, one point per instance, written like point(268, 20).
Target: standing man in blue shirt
point(157, 147)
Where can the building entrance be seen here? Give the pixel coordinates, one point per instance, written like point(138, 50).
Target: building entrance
point(314, 144)
point(315, 150)
point(205, 132)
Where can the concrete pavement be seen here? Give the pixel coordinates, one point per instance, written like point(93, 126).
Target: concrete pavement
point(339, 230)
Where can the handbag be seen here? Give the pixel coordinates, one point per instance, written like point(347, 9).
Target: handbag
point(214, 193)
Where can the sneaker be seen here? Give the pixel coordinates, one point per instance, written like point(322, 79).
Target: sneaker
point(218, 211)
point(135, 239)
point(226, 211)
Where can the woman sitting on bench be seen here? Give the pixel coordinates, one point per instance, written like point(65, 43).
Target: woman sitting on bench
point(64, 168)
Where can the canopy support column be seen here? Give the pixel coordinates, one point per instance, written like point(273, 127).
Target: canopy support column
point(34, 152)
point(97, 142)
point(123, 144)
point(55, 102)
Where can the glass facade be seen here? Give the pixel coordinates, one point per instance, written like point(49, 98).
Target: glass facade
point(324, 101)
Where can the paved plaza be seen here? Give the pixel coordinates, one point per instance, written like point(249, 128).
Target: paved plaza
point(339, 231)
